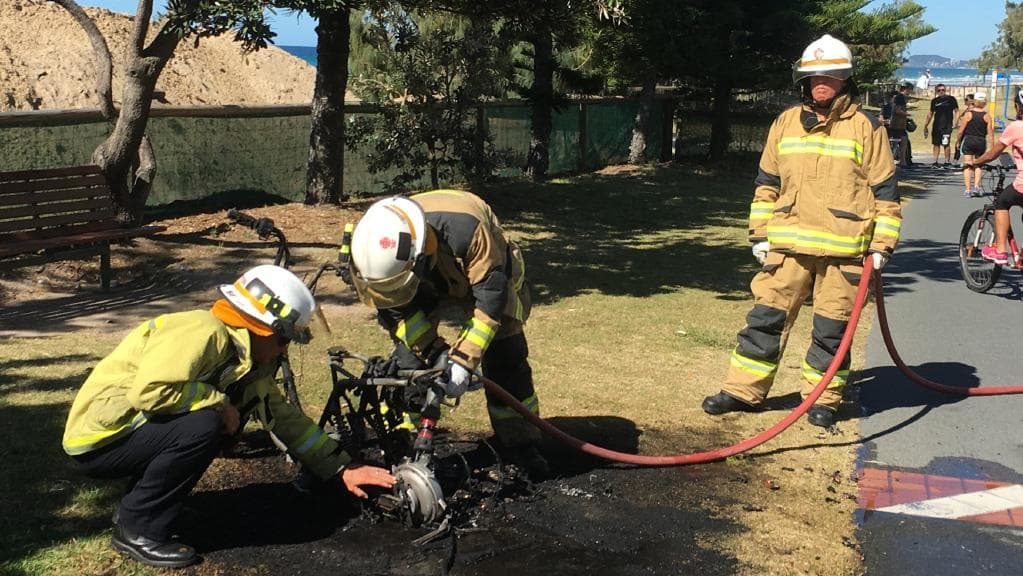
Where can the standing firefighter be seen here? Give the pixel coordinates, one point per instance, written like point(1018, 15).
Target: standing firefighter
point(410, 255)
point(158, 409)
point(826, 197)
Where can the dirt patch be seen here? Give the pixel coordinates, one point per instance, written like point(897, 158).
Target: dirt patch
point(179, 268)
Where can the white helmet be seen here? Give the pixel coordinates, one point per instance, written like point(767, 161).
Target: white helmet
point(825, 56)
point(274, 297)
point(387, 245)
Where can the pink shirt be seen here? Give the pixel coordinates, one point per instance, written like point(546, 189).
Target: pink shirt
point(1012, 137)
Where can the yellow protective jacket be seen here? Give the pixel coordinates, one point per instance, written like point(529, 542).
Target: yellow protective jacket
point(475, 264)
point(182, 362)
point(829, 190)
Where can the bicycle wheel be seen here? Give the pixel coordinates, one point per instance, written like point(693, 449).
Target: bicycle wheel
point(978, 231)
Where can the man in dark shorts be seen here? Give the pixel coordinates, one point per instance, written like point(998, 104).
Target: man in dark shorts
point(944, 109)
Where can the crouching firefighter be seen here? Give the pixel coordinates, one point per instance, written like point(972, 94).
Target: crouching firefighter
point(409, 256)
point(158, 409)
point(826, 198)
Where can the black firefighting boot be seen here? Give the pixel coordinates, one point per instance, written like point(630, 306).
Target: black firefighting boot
point(162, 554)
point(821, 416)
point(723, 403)
point(528, 458)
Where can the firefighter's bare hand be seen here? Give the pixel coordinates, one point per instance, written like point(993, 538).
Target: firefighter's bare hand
point(357, 475)
point(230, 420)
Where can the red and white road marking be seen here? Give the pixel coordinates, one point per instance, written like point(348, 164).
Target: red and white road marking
point(945, 497)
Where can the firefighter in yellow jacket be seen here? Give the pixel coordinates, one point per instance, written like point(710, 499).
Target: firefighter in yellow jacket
point(157, 409)
point(411, 255)
point(826, 198)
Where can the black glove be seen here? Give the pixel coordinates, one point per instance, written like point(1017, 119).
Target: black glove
point(406, 359)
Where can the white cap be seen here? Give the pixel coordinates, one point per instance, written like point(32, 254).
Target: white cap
point(980, 96)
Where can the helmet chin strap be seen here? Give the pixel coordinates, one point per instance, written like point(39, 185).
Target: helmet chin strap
point(825, 107)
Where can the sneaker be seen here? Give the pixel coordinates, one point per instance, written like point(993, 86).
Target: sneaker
point(968, 193)
point(935, 165)
point(994, 255)
point(976, 192)
point(947, 165)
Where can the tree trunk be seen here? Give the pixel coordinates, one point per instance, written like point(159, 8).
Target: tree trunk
point(104, 64)
point(542, 105)
point(126, 156)
point(325, 169)
point(641, 125)
point(720, 128)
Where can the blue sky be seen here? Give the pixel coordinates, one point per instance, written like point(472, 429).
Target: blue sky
point(965, 27)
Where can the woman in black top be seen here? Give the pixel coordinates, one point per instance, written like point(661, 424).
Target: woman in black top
point(975, 127)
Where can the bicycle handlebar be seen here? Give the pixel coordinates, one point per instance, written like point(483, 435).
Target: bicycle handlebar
point(265, 229)
point(995, 168)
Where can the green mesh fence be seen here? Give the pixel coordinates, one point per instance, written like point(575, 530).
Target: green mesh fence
point(200, 157)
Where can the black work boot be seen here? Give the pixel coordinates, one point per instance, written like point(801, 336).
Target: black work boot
point(528, 458)
point(821, 416)
point(723, 403)
point(153, 552)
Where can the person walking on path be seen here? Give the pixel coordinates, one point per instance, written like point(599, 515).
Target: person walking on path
point(1011, 139)
point(944, 110)
point(898, 125)
point(159, 408)
point(826, 199)
point(410, 258)
point(976, 128)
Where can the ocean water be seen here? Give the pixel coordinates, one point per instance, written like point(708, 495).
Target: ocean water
point(307, 53)
point(959, 76)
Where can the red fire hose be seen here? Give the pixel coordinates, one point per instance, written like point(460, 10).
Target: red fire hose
point(882, 319)
point(722, 453)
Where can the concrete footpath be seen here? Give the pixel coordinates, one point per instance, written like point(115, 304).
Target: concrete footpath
point(941, 478)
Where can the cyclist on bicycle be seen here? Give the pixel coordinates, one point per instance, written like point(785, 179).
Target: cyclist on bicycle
point(826, 199)
point(1011, 138)
point(159, 407)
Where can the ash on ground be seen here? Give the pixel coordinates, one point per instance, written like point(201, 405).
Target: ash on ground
point(590, 517)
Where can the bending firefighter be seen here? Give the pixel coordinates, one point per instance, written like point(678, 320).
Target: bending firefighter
point(411, 255)
point(825, 198)
point(159, 408)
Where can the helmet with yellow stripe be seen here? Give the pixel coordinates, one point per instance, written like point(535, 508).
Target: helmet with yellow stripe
point(388, 252)
point(825, 56)
point(274, 297)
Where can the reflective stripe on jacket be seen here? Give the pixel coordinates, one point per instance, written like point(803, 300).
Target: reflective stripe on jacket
point(829, 191)
point(479, 265)
point(183, 362)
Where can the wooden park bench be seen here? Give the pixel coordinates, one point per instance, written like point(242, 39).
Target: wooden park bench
point(59, 214)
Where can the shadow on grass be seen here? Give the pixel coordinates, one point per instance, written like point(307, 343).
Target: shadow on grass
point(635, 234)
point(38, 482)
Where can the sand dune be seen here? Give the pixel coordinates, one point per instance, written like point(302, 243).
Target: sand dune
point(46, 63)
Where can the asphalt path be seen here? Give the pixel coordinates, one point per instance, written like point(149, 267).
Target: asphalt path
point(952, 335)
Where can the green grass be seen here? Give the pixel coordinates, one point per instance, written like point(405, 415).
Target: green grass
point(640, 282)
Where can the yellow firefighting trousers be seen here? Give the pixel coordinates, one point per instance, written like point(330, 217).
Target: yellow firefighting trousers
point(779, 290)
